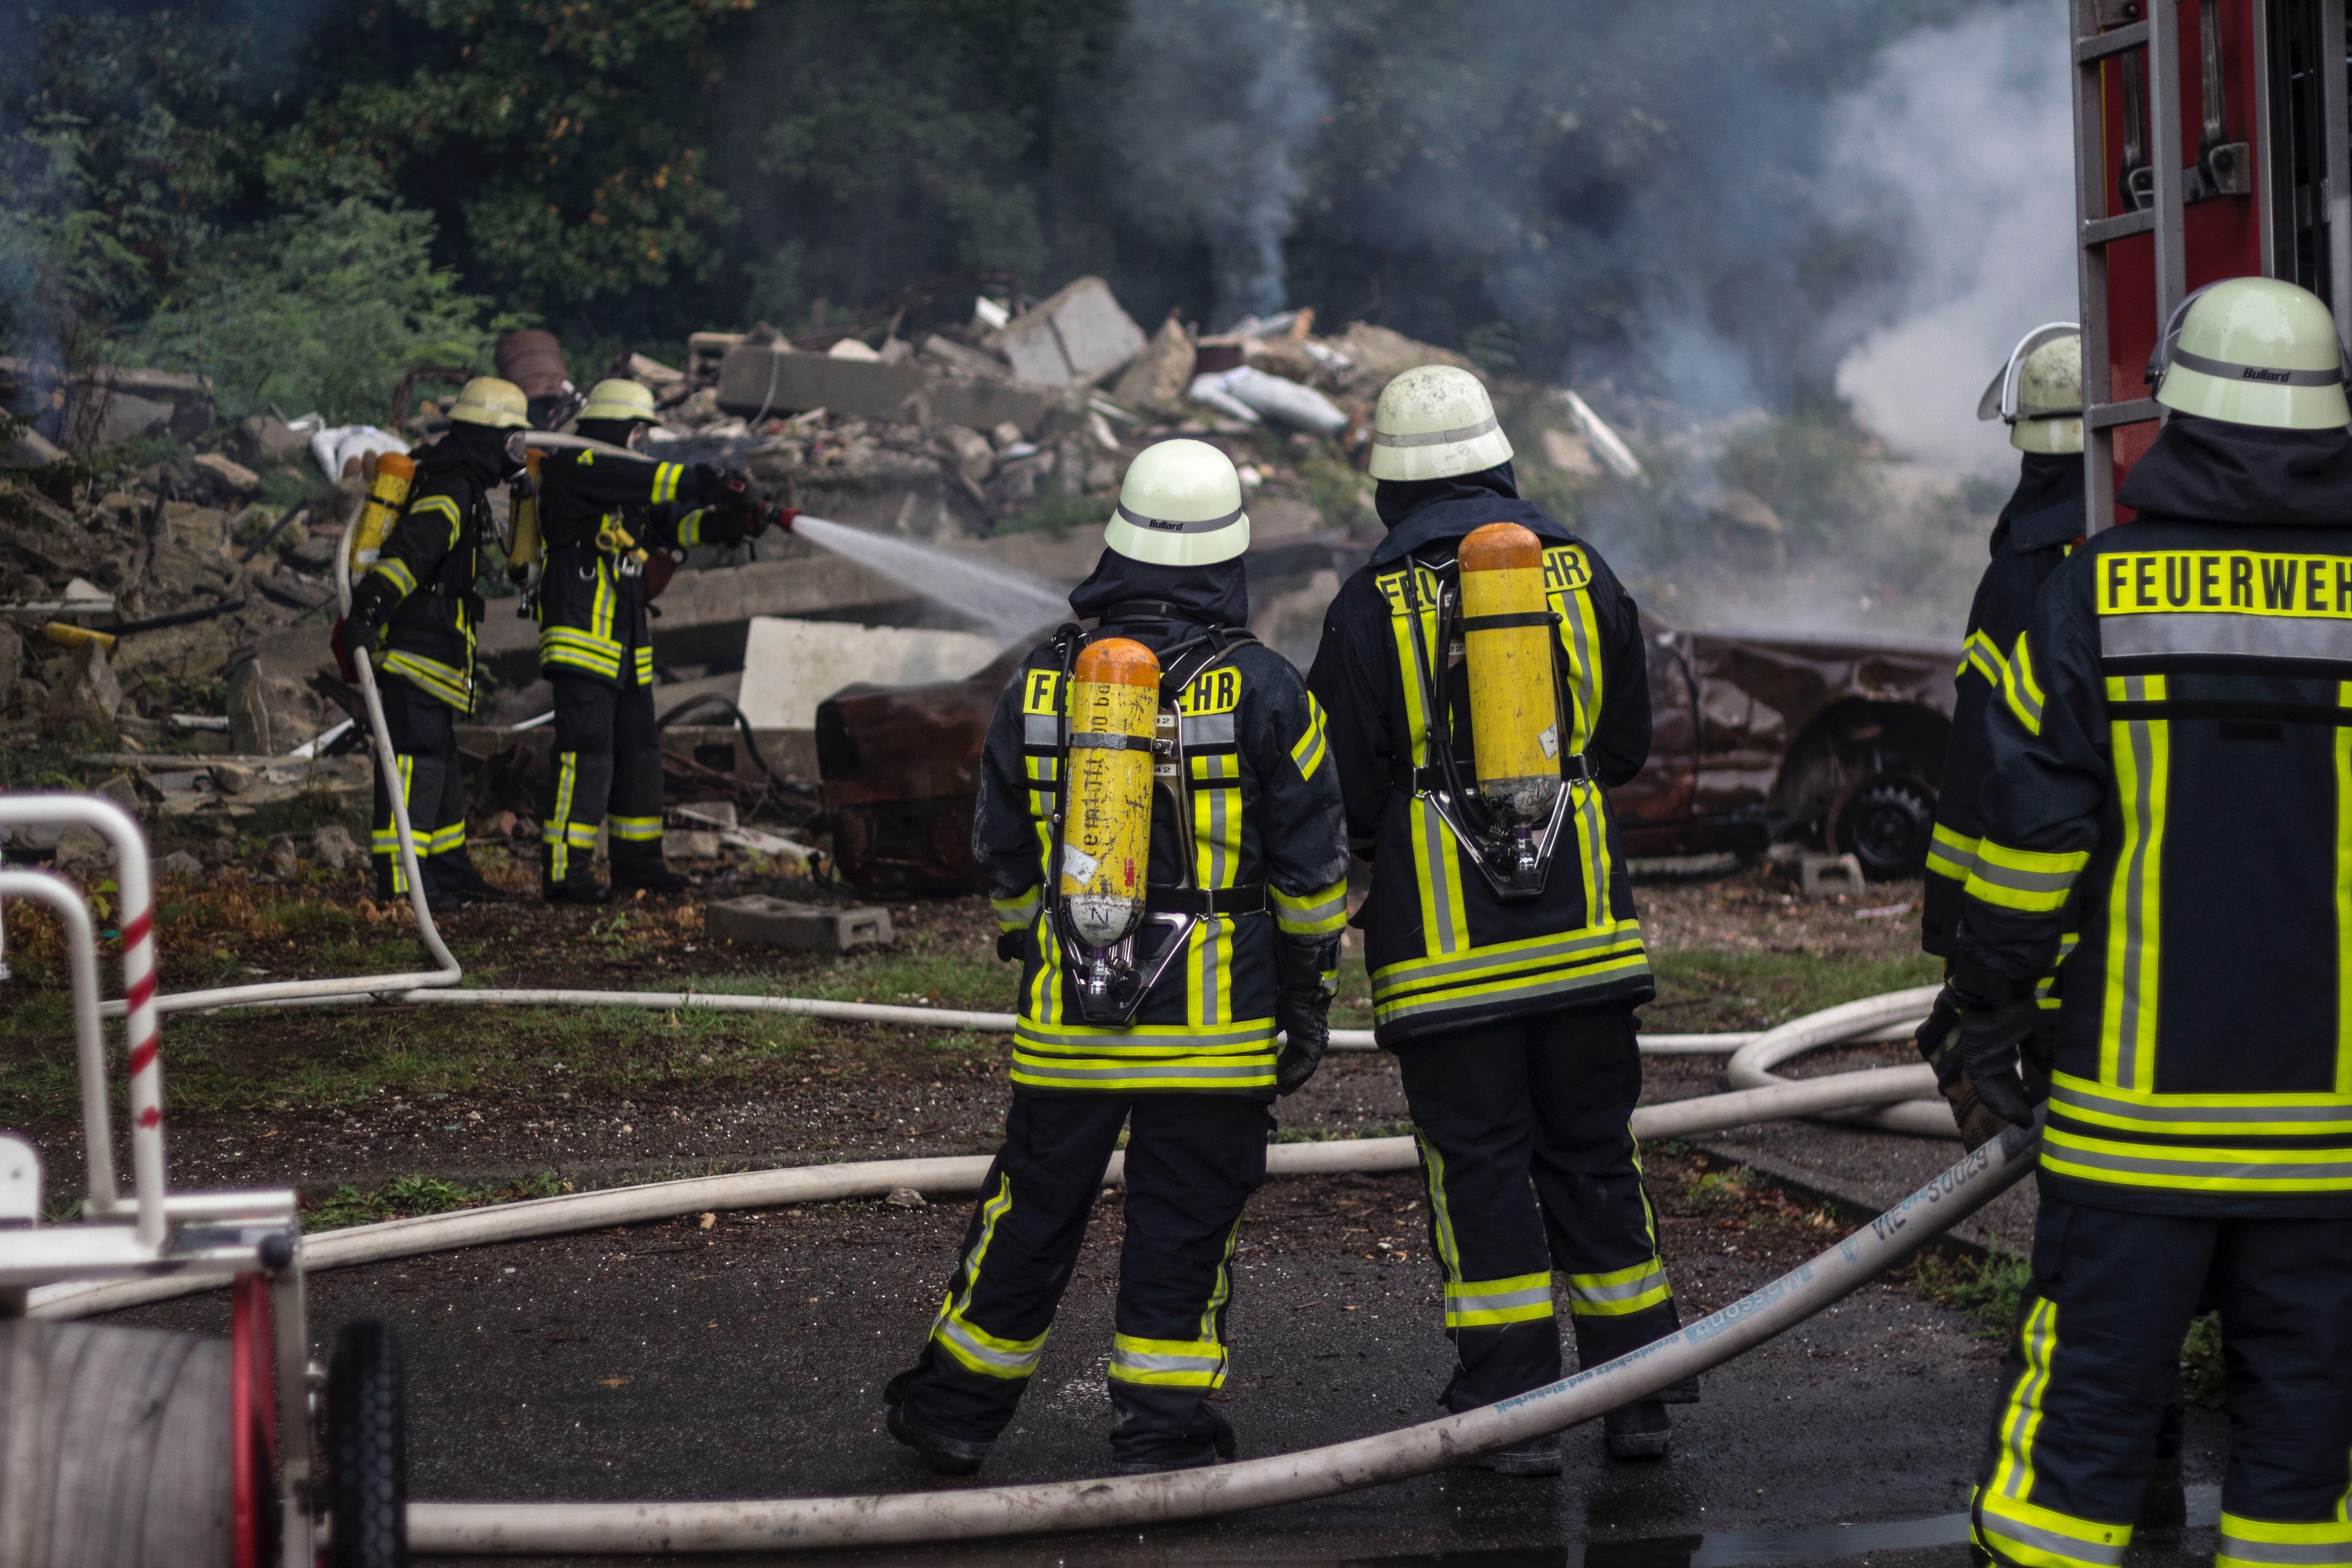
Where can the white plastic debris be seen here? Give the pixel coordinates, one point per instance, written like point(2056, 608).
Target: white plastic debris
point(339, 445)
point(1211, 390)
point(1614, 454)
point(1276, 397)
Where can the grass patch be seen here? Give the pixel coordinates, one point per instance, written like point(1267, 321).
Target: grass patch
point(404, 1197)
point(1706, 993)
point(1986, 1289)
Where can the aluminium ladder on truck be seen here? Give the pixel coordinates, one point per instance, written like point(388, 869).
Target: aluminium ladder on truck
point(2258, 182)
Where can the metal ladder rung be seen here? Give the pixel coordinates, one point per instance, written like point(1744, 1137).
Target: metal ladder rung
point(2099, 46)
point(2107, 416)
point(2107, 230)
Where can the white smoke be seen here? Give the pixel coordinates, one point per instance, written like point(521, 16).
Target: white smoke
point(1967, 129)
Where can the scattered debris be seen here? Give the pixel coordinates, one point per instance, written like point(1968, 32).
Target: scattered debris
point(1078, 335)
point(795, 928)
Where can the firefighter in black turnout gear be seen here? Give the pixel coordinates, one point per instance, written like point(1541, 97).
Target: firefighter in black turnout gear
point(1163, 769)
point(604, 515)
point(2171, 774)
point(2039, 394)
point(1505, 967)
point(417, 611)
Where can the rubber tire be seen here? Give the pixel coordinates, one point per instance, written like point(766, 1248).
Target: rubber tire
point(367, 1450)
point(1888, 824)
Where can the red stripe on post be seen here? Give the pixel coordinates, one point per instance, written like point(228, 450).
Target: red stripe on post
point(143, 1056)
point(151, 1118)
point(138, 929)
point(139, 994)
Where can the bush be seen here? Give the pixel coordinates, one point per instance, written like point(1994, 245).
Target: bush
point(324, 309)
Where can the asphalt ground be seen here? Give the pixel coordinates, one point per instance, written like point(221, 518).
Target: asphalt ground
point(745, 1357)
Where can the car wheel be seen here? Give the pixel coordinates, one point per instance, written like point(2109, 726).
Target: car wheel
point(1886, 823)
point(367, 1450)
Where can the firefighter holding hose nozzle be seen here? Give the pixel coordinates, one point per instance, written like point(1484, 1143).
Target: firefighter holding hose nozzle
point(1487, 684)
point(606, 525)
point(414, 609)
point(1159, 824)
point(2170, 769)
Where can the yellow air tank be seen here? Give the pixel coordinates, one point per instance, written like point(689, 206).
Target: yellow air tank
point(522, 521)
point(1106, 811)
point(1514, 703)
point(387, 495)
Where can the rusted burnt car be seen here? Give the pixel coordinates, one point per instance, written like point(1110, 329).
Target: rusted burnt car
point(1755, 739)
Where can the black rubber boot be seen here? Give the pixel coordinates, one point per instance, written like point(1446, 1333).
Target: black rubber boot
point(1642, 1431)
point(945, 1455)
point(1209, 1440)
point(1536, 1459)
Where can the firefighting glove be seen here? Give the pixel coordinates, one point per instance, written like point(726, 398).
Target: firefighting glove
point(1939, 1043)
point(737, 496)
point(1012, 946)
point(352, 633)
point(1302, 1005)
point(1997, 1050)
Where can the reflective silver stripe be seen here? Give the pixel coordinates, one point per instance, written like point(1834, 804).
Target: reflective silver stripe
point(1175, 525)
point(2226, 635)
point(2073, 1548)
point(1620, 1292)
point(2066, 1096)
point(2245, 1551)
point(1417, 970)
point(2139, 737)
point(1040, 730)
point(1537, 985)
point(1209, 729)
point(1146, 1360)
point(1986, 869)
point(2258, 375)
point(1018, 1361)
point(1262, 1067)
point(1500, 1301)
point(1437, 437)
point(1293, 914)
point(2072, 1154)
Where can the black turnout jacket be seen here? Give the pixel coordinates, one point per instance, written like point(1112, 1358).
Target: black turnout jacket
point(593, 611)
point(420, 592)
point(2173, 752)
point(1444, 951)
point(2044, 517)
point(1262, 791)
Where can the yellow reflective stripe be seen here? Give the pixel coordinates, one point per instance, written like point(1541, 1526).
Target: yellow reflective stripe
point(1621, 1292)
point(2185, 1168)
point(1167, 1364)
point(1312, 914)
point(2021, 690)
point(2020, 1417)
point(441, 840)
point(2035, 1537)
point(1015, 913)
point(1951, 854)
point(991, 1355)
point(1212, 1310)
point(2142, 751)
point(2146, 1113)
point(665, 477)
point(645, 665)
point(448, 507)
point(2261, 1543)
point(1437, 872)
point(1489, 1303)
point(636, 829)
point(2342, 895)
point(1440, 1213)
point(567, 774)
point(602, 604)
point(385, 840)
point(689, 529)
point(1984, 655)
point(1308, 752)
point(394, 571)
point(2031, 880)
point(1569, 581)
point(437, 680)
point(1534, 966)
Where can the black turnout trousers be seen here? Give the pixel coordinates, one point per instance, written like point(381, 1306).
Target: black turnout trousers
point(607, 757)
point(2095, 1359)
point(1531, 1166)
point(1192, 1161)
point(424, 736)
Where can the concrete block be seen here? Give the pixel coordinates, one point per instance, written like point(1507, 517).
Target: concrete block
point(796, 928)
point(1080, 335)
point(791, 665)
point(1823, 874)
point(689, 844)
point(909, 392)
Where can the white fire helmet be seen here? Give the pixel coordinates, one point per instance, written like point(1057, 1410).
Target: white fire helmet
point(620, 399)
point(2039, 392)
point(1181, 506)
point(2254, 350)
point(486, 400)
point(1435, 421)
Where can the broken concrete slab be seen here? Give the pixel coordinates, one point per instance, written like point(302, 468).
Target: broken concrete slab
point(795, 928)
point(770, 382)
point(1077, 336)
point(1159, 375)
point(791, 665)
point(234, 475)
point(268, 441)
point(31, 450)
point(90, 692)
point(957, 359)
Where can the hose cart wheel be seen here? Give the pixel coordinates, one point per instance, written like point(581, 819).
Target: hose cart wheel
point(367, 1450)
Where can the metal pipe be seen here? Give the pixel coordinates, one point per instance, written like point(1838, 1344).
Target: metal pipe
point(89, 1038)
point(144, 1061)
